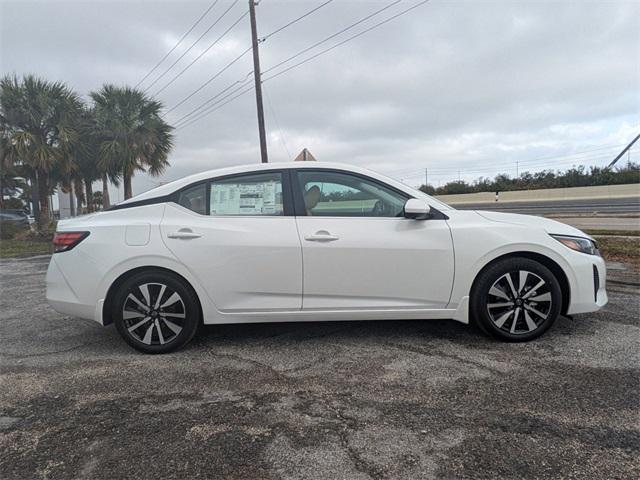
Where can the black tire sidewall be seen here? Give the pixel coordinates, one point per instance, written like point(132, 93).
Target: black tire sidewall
point(479, 296)
point(185, 291)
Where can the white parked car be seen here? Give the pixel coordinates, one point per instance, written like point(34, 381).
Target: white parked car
point(314, 241)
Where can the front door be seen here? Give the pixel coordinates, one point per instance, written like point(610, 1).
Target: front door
point(237, 235)
point(361, 253)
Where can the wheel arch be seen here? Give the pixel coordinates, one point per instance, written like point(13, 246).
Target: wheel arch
point(113, 288)
point(551, 264)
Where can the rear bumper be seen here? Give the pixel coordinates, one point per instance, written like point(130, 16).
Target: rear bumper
point(62, 297)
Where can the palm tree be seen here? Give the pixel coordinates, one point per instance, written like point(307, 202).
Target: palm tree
point(85, 168)
point(89, 167)
point(8, 176)
point(132, 135)
point(37, 120)
point(109, 176)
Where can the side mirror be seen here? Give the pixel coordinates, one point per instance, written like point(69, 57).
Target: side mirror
point(417, 209)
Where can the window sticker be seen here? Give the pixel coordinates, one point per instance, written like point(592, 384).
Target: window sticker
point(244, 198)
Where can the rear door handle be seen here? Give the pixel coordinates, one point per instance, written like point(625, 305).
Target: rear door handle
point(184, 233)
point(321, 236)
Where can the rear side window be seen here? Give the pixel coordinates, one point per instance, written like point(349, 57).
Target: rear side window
point(252, 194)
point(195, 198)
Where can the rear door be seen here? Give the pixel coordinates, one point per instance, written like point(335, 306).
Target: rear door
point(237, 235)
point(360, 252)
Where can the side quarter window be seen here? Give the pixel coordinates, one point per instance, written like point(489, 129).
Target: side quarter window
point(194, 198)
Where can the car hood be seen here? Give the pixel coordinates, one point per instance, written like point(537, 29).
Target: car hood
point(550, 226)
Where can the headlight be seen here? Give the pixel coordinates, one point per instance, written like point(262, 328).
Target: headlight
point(579, 244)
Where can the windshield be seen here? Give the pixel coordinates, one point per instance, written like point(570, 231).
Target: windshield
point(417, 193)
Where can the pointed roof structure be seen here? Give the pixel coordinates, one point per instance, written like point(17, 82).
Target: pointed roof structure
point(305, 156)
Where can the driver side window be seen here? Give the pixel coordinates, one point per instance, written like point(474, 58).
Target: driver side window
point(336, 194)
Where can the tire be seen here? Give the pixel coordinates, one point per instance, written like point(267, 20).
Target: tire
point(151, 324)
point(510, 310)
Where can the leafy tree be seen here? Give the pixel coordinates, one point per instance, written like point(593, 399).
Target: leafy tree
point(132, 135)
point(37, 122)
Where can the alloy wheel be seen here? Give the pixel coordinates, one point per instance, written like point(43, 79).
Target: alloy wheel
point(153, 313)
point(519, 302)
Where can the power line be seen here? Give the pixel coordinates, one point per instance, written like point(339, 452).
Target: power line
point(296, 20)
point(202, 54)
point(326, 39)
point(522, 163)
point(178, 43)
point(278, 30)
point(275, 119)
point(220, 72)
point(188, 122)
point(216, 105)
point(192, 112)
point(501, 169)
point(322, 52)
point(564, 163)
point(191, 46)
point(183, 122)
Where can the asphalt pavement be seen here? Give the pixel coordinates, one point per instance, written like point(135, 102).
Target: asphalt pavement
point(360, 400)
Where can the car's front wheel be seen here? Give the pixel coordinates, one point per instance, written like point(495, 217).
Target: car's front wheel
point(156, 312)
point(516, 299)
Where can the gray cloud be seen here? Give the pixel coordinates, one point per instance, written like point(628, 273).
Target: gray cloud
point(474, 86)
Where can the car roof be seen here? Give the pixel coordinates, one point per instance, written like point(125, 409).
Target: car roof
point(169, 188)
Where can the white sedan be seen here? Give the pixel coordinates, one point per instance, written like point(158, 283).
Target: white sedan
point(314, 242)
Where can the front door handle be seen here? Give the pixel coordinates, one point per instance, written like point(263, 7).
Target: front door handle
point(321, 236)
point(184, 233)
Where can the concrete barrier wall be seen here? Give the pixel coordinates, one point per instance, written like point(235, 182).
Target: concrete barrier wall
point(573, 193)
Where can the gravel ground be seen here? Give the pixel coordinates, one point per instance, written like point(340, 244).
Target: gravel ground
point(400, 399)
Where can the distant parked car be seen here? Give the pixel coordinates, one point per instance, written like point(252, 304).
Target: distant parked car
point(14, 216)
point(312, 241)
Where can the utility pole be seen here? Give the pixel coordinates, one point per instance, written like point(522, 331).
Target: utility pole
point(258, 81)
point(517, 169)
point(426, 177)
point(624, 150)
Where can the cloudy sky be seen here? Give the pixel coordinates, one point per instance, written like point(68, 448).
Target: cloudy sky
point(464, 89)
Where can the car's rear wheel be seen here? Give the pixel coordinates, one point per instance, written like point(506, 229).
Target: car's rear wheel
point(516, 299)
point(156, 312)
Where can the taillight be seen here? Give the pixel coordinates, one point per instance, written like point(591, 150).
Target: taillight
point(63, 241)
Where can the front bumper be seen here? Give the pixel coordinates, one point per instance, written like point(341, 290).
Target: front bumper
point(588, 294)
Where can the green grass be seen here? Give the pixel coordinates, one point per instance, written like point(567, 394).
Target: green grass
point(620, 249)
point(23, 248)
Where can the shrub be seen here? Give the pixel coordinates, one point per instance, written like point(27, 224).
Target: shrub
point(9, 229)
